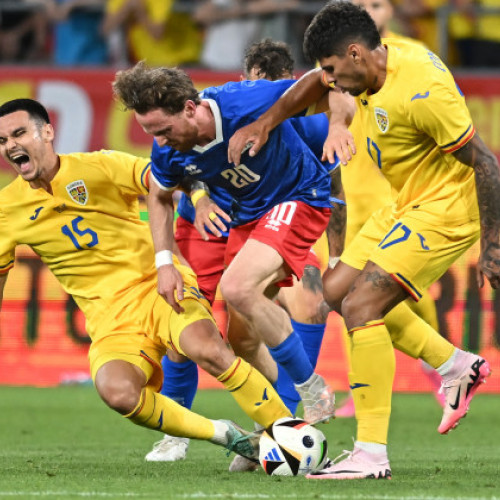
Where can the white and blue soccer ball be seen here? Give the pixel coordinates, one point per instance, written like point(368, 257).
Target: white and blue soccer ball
point(292, 447)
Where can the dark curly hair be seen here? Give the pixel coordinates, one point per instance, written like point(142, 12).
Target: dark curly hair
point(335, 27)
point(271, 60)
point(143, 89)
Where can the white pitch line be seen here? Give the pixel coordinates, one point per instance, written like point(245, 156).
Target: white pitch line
point(69, 493)
point(327, 496)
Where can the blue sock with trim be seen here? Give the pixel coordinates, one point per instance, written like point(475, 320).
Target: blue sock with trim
point(312, 338)
point(290, 354)
point(180, 381)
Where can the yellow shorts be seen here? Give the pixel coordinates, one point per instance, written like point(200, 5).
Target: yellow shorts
point(414, 252)
point(141, 330)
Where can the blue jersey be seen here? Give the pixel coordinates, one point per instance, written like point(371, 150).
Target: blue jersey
point(284, 170)
point(313, 130)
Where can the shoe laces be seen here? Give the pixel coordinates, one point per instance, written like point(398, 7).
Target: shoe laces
point(345, 455)
point(166, 443)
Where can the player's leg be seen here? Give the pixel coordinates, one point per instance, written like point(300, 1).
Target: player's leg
point(425, 308)
point(180, 374)
point(124, 385)
point(180, 382)
point(201, 341)
point(243, 286)
point(308, 312)
point(372, 373)
point(269, 255)
point(247, 343)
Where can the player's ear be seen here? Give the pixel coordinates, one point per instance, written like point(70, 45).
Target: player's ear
point(354, 52)
point(48, 132)
point(190, 108)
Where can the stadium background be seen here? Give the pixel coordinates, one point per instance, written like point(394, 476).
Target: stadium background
point(42, 334)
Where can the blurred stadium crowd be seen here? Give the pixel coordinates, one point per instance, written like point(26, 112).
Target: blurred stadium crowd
point(214, 33)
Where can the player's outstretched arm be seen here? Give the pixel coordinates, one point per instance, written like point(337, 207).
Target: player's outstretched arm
point(487, 173)
point(3, 280)
point(340, 140)
point(161, 218)
point(307, 91)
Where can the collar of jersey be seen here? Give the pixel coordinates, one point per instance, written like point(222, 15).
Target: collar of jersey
point(218, 128)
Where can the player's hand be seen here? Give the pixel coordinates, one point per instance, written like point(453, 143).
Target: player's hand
point(209, 215)
point(250, 138)
point(489, 264)
point(169, 282)
point(339, 141)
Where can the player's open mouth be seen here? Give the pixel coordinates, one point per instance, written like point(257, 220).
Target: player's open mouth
point(21, 159)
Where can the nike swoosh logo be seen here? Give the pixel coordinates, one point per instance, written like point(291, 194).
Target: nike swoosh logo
point(454, 406)
point(357, 385)
point(420, 96)
point(35, 215)
point(160, 421)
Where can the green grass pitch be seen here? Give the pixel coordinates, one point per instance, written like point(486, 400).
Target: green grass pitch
point(64, 443)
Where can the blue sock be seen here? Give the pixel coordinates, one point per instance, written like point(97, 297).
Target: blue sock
point(291, 355)
point(180, 381)
point(312, 337)
point(286, 390)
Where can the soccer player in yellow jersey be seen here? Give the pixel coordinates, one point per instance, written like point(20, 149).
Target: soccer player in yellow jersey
point(368, 190)
point(418, 131)
point(79, 213)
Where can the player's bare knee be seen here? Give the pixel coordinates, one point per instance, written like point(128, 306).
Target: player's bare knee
point(357, 311)
point(238, 295)
point(214, 359)
point(120, 395)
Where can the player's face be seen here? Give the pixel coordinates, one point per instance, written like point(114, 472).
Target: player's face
point(25, 144)
point(178, 131)
point(380, 11)
point(348, 73)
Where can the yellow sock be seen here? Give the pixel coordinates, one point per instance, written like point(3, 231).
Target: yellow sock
point(373, 366)
point(413, 336)
point(160, 413)
point(425, 308)
point(254, 393)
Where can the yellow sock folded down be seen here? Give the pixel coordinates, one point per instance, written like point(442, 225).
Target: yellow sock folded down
point(253, 393)
point(160, 413)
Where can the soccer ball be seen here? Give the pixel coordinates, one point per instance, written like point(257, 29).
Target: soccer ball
point(292, 447)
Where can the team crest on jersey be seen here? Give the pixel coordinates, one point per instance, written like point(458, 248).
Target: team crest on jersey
point(382, 119)
point(192, 170)
point(78, 192)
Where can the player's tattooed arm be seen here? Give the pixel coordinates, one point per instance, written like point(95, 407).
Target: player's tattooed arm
point(487, 173)
point(335, 231)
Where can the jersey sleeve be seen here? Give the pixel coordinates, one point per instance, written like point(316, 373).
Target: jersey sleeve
point(130, 173)
point(162, 168)
point(440, 112)
point(7, 245)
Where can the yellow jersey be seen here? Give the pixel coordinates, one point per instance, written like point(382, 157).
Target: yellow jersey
point(411, 125)
point(88, 231)
point(365, 188)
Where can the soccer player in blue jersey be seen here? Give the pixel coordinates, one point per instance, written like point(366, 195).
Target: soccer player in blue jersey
point(304, 301)
point(418, 130)
point(280, 202)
